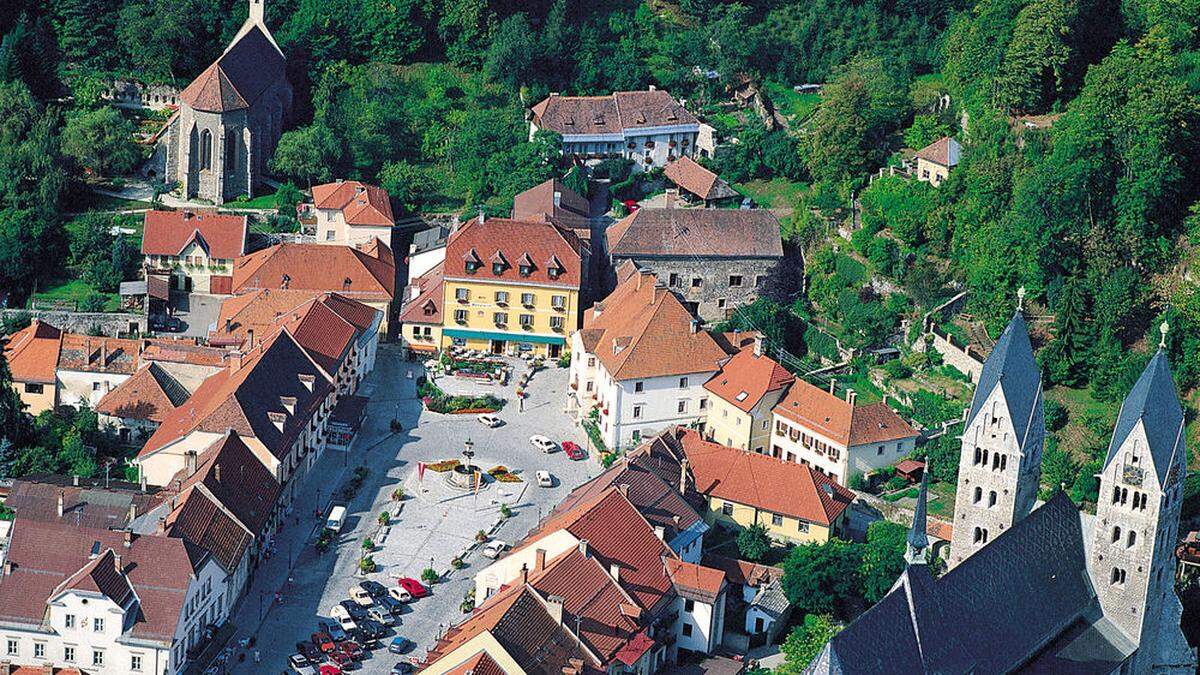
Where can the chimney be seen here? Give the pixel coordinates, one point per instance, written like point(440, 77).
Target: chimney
point(524, 573)
point(132, 516)
point(75, 480)
point(482, 215)
point(695, 326)
point(61, 503)
point(583, 547)
point(142, 479)
point(557, 198)
point(103, 353)
point(188, 215)
point(623, 488)
point(162, 525)
point(308, 380)
point(660, 532)
point(228, 325)
point(554, 605)
point(217, 472)
point(758, 345)
point(652, 88)
point(614, 571)
point(851, 395)
point(189, 459)
point(7, 567)
point(683, 469)
point(833, 386)
point(117, 562)
point(250, 338)
point(235, 361)
point(669, 197)
point(256, 11)
point(539, 560)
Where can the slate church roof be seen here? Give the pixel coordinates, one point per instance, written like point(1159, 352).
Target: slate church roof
point(993, 613)
point(236, 80)
point(1153, 401)
point(1011, 365)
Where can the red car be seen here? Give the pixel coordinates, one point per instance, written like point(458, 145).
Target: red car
point(342, 660)
point(350, 648)
point(632, 205)
point(572, 450)
point(329, 669)
point(323, 641)
point(414, 587)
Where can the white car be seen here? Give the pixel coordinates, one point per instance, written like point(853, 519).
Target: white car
point(544, 479)
point(361, 597)
point(400, 594)
point(494, 548)
point(542, 443)
point(343, 618)
point(490, 421)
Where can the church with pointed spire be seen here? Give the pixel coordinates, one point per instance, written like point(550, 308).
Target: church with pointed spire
point(1040, 587)
point(230, 117)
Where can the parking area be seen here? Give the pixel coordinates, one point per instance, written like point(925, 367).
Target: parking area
point(196, 312)
point(435, 522)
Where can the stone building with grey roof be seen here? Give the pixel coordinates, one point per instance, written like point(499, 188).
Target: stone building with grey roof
point(1041, 588)
point(230, 117)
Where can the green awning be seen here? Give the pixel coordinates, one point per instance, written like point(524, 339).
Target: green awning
point(509, 337)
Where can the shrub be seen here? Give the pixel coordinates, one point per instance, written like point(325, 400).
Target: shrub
point(753, 542)
point(367, 565)
point(93, 302)
point(564, 361)
point(1056, 415)
point(385, 518)
point(398, 494)
point(859, 483)
point(367, 544)
point(505, 511)
point(438, 401)
point(481, 536)
point(894, 483)
point(457, 563)
point(430, 576)
point(896, 369)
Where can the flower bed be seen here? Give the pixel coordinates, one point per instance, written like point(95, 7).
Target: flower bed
point(502, 474)
point(443, 466)
point(438, 401)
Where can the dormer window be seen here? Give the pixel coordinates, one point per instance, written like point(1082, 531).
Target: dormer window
point(471, 267)
point(525, 270)
point(472, 263)
point(497, 268)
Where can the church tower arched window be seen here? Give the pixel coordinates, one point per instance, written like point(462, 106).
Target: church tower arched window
point(206, 150)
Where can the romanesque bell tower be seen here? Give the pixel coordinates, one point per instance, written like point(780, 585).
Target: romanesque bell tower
point(1001, 457)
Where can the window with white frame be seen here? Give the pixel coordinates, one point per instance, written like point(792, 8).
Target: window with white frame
point(12, 648)
point(97, 625)
point(97, 657)
point(69, 653)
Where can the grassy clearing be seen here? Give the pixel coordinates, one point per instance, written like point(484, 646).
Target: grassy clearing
point(1089, 421)
point(266, 201)
point(75, 290)
point(941, 500)
point(793, 105)
point(776, 193)
point(98, 202)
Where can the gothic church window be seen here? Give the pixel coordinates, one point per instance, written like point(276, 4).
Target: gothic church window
point(206, 150)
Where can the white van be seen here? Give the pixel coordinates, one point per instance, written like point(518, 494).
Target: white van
point(337, 518)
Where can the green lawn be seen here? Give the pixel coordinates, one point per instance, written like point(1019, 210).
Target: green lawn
point(775, 193)
point(941, 501)
point(266, 201)
point(76, 290)
point(791, 104)
point(98, 202)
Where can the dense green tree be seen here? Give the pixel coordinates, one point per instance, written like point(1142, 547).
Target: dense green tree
point(304, 154)
point(805, 642)
point(101, 140)
point(816, 577)
point(882, 558)
point(86, 31)
point(753, 542)
point(406, 183)
point(508, 60)
point(98, 255)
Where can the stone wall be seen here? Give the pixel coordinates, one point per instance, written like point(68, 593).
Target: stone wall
point(110, 324)
point(714, 275)
point(962, 357)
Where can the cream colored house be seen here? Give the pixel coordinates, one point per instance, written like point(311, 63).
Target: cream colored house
point(195, 248)
point(935, 161)
point(350, 212)
point(741, 399)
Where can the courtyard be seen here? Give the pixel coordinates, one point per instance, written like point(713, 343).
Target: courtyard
point(432, 525)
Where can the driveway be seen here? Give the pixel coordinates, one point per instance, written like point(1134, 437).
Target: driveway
point(197, 312)
point(432, 525)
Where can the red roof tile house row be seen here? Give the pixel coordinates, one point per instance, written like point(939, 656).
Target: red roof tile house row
point(113, 601)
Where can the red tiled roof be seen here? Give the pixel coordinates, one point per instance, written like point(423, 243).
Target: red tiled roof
point(44, 554)
point(591, 600)
point(366, 274)
point(322, 332)
point(86, 353)
point(645, 331)
point(479, 664)
point(32, 353)
point(236, 80)
point(92, 503)
point(763, 482)
point(149, 395)
point(426, 307)
point(691, 176)
point(105, 575)
point(943, 151)
point(720, 233)
point(695, 582)
point(222, 236)
point(552, 201)
point(837, 419)
point(746, 378)
point(742, 572)
point(237, 480)
point(515, 243)
point(360, 204)
point(635, 648)
point(622, 110)
point(183, 351)
point(199, 520)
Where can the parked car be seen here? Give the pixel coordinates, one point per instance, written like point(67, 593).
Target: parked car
point(382, 615)
point(402, 668)
point(490, 421)
point(415, 588)
point(343, 618)
point(399, 645)
point(165, 323)
point(374, 629)
point(300, 664)
point(342, 660)
point(542, 443)
point(632, 205)
point(330, 669)
point(494, 548)
point(363, 638)
point(544, 479)
point(400, 594)
point(335, 631)
point(361, 597)
point(356, 611)
point(310, 651)
point(572, 450)
point(337, 518)
point(352, 649)
point(393, 605)
point(323, 641)
point(375, 588)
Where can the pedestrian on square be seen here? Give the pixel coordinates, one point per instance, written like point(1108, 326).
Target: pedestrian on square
point(257, 657)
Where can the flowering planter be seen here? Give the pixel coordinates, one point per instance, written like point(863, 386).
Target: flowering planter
point(472, 411)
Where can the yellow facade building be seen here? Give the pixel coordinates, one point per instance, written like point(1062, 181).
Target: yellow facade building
point(794, 503)
point(741, 397)
point(511, 287)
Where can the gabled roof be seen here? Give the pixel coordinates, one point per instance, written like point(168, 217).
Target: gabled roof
point(689, 175)
point(222, 236)
point(839, 420)
point(104, 575)
point(746, 378)
point(360, 203)
point(92, 503)
point(237, 480)
point(642, 330)
point(426, 307)
point(591, 599)
point(985, 615)
point(703, 233)
point(149, 395)
point(367, 274)
point(45, 554)
point(547, 244)
point(98, 354)
point(613, 114)
point(199, 520)
point(552, 201)
point(1011, 366)
point(944, 151)
point(32, 353)
point(695, 582)
point(761, 481)
point(322, 332)
point(239, 77)
point(1153, 401)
